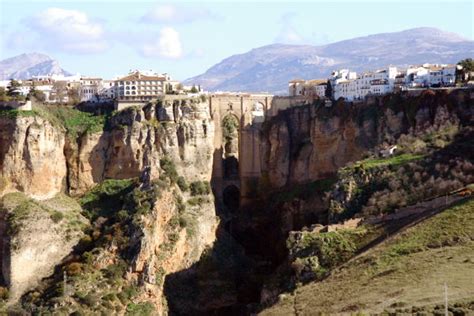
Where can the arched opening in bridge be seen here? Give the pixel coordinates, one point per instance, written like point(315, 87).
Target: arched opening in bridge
point(230, 133)
point(231, 198)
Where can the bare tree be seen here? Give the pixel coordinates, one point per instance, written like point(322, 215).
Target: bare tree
point(59, 91)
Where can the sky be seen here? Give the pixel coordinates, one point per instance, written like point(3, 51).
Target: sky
point(185, 38)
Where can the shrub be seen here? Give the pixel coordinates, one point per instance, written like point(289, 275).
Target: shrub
point(74, 268)
point(140, 309)
point(57, 216)
point(3, 293)
point(200, 188)
point(169, 168)
point(91, 299)
point(182, 184)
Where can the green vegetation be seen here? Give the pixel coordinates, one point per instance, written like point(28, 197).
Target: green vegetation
point(303, 191)
point(313, 254)
point(200, 188)
point(169, 168)
point(467, 67)
point(454, 226)
point(106, 198)
point(392, 161)
point(21, 210)
point(182, 184)
point(404, 274)
point(140, 309)
point(230, 126)
point(12, 114)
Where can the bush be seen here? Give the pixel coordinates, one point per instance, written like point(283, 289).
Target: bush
point(3, 293)
point(182, 184)
point(74, 268)
point(169, 168)
point(200, 188)
point(57, 216)
point(140, 309)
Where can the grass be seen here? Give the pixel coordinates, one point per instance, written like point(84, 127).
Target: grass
point(12, 114)
point(409, 269)
point(106, 198)
point(452, 227)
point(74, 121)
point(389, 161)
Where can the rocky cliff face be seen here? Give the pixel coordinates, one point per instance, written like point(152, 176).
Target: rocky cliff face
point(308, 143)
point(31, 157)
point(41, 159)
point(36, 235)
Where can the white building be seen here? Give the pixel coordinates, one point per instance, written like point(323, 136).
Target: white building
point(296, 87)
point(90, 87)
point(309, 88)
point(138, 86)
point(349, 86)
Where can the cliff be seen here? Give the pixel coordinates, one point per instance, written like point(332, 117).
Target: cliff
point(31, 156)
point(54, 150)
point(308, 143)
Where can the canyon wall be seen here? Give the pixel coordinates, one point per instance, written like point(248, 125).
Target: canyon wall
point(41, 159)
point(311, 142)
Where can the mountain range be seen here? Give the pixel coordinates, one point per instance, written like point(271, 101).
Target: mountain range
point(25, 66)
point(269, 68)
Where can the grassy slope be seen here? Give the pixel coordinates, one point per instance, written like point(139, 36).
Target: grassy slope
point(407, 270)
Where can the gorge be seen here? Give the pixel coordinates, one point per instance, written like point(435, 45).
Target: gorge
point(186, 206)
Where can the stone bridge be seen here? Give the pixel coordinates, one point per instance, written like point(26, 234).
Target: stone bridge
point(237, 160)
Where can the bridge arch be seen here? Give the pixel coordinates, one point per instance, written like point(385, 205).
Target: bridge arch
point(230, 135)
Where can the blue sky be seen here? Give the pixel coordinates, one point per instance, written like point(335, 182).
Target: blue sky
point(108, 38)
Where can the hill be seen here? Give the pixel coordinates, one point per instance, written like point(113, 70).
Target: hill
point(405, 273)
point(269, 68)
point(25, 66)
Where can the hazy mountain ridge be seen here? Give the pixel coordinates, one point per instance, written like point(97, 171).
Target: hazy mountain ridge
point(25, 66)
point(270, 67)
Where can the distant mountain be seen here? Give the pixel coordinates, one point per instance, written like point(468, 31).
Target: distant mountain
point(269, 68)
point(25, 66)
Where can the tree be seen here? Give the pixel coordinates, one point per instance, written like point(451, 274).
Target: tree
point(467, 65)
point(59, 91)
point(328, 92)
point(194, 89)
point(3, 95)
point(37, 94)
point(73, 95)
point(13, 89)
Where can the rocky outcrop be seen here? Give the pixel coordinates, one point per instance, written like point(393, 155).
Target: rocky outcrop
point(307, 143)
point(31, 157)
point(137, 138)
point(37, 235)
point(164, 249)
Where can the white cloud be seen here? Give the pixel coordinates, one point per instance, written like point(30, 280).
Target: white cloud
point(168, 45)
point(69, 30)
point(167, 13)
point(289, 35)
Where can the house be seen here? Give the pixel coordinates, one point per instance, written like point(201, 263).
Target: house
point(296, 87)
point(140, 87)
point(89, 90)
point(309, 88)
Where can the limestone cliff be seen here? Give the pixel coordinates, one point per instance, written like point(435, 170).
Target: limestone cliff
point(307, 143)
point(36, 235)
point(180, 130)
point(31, 156)
point(41, 157)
